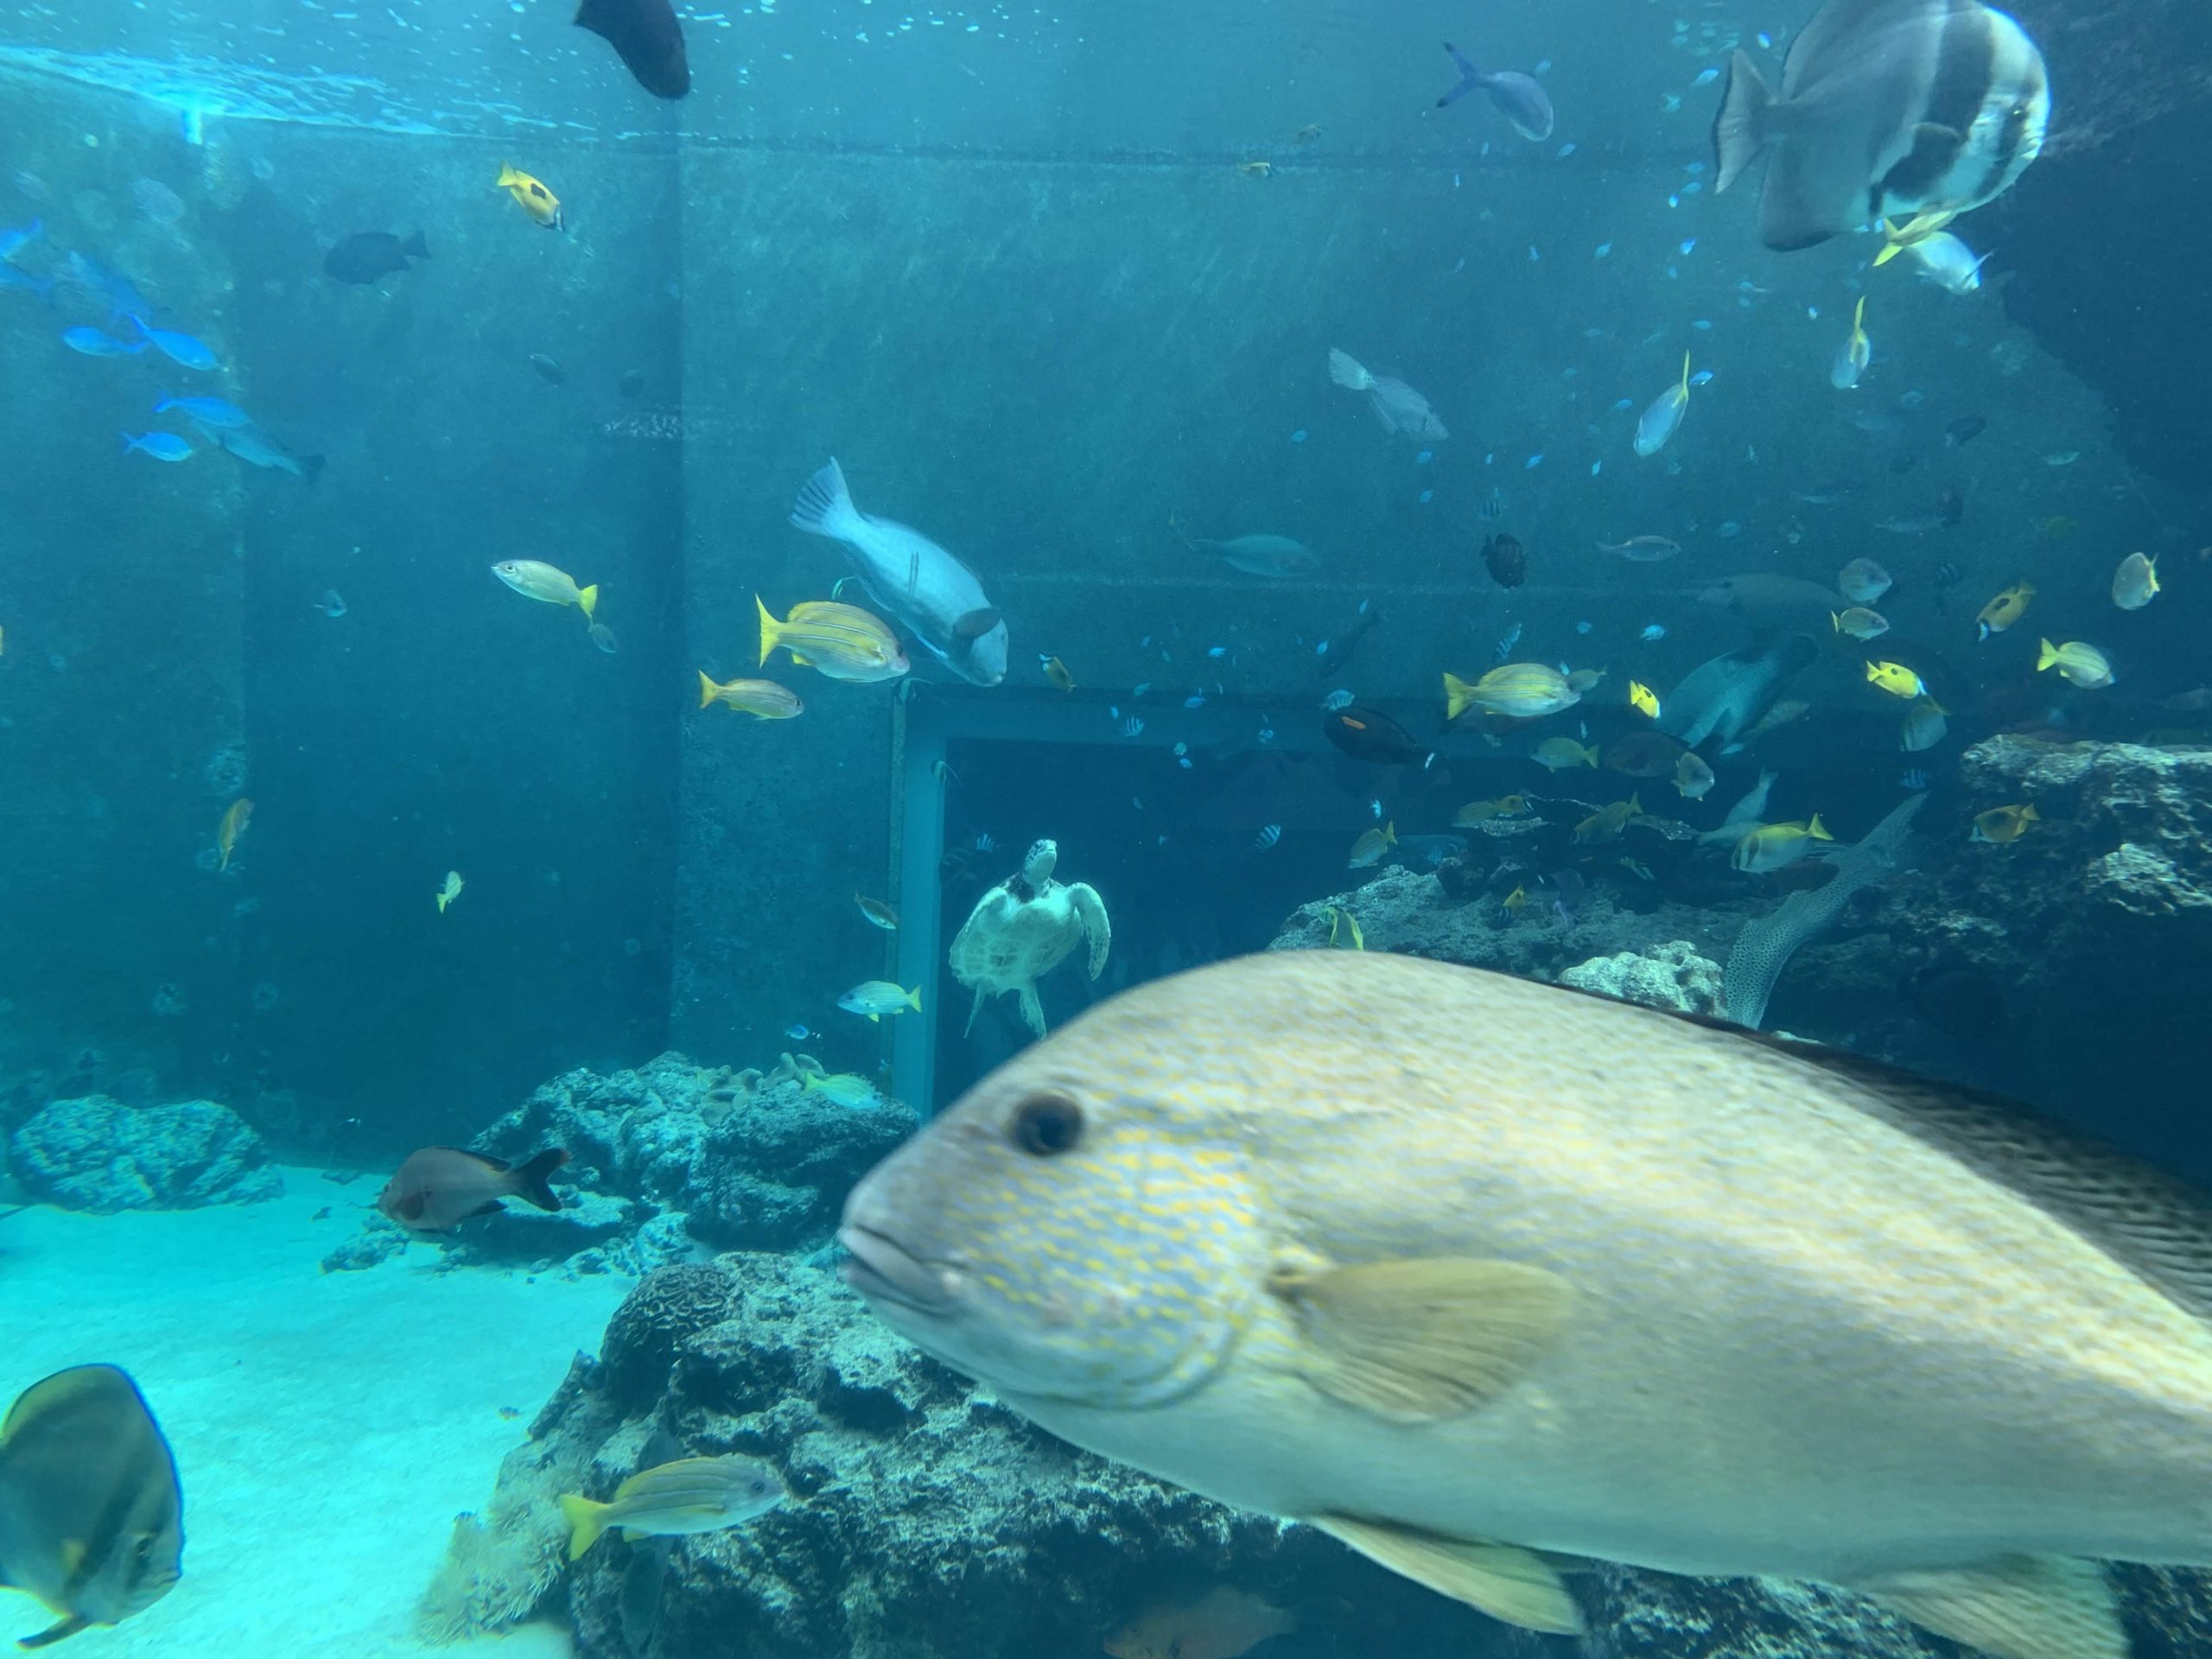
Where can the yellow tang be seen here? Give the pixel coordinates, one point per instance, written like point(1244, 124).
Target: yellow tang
point(2002, 824)
point(841, 641)
point(541, 204)
point(1515, 898)
point(762, 697)
point(2008, 608)
point(1896, 679)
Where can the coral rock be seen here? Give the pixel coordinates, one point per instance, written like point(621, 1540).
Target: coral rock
point(96, 1153)
point(1671, 976)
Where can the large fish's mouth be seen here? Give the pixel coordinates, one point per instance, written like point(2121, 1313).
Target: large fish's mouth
point(883, 1270)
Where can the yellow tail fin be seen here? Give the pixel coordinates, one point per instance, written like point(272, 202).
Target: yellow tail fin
point(771, 631)
point(587, 1520)
point(914, 999)
point(588, 598)
point(707, 688)
point(508, 177)
point(2046, 657)
point(1686, 375)
point(1458, 695)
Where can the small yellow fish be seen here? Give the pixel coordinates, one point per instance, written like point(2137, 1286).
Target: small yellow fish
point(1918, 229)
point(2135, 582)
point(1558, 754)
point(846, 1087)
point(1056, 671)
point(877, 997)
point(535, 579)
point(1256, 169)
point(1344, 930)
point(1370, 847)
point(1896, 679)
point(878, 912)
point(838, 640)
point(2084, 665)
point(451, 890)
point(534, 199)
point(762, 697)
point(1641, 698)
point(2002, 824)
point(1773, 845)
point(1515, 898)
point(1523, 691)
point(1505, 806)
point(2008, 608)
point(1860, 622)
point(235, 816)
point(1607, 822)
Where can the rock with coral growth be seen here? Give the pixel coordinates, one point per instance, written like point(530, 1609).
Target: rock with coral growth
point(1670, 975)
point(98, 1154)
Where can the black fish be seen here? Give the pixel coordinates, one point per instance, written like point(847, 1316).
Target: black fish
point(1336, 653)
point(365, 256)
point(647, 36)
point(1887, 109)
point(1508, 562)
point(1368, 733)
point(548, 370)
point(1963, 431)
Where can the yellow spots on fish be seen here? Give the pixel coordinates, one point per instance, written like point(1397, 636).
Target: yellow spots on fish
point(2135, 582)
point(1642, 698)
point(2083, 665)
point(2006, 608)
point(531, 196)
point(1056, 671)
point(449, 891)
point(235, 816)
point(2001, 824)
point(1256, 169)
point(1371, 845)
point(1896, 679)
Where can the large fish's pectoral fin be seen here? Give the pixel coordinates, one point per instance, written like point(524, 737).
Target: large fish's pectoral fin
point(1816, 188)
point(2020, 1607)
point(61, 1632)
point(1415, 1341)
point(1505, 1582)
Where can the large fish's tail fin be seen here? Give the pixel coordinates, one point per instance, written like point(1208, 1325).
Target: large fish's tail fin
point(1470, 77)
point(311, 467)
point(415, 247)
point(588, 599)
point(1739, 130)
point(707, 688)
point(824, 506)
point(529, 1178)
point(771, 630)
point(587, 1520)
point(1345, 372)
point(1458, 695)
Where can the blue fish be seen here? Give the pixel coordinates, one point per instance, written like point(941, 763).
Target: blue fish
point(1653, 632)
point(179, 348)
point(96, 342)
point(122, 299)
point(16, 276)
point(13, 241)
point(162, 446)
point(205, 411)
point(257, 448)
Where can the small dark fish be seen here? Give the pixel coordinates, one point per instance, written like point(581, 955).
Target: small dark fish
point(1370, 734)
point(365, 256)
point(1949, 575)
point(1963, 431)
point(647, 36)
point(1643, 754)
point(1337, 654)
point(632, 384)
point(1571, 888)
point(322, 1214)
point(547, 371)
point(1508, 561)
point(603, 637)
point(440, 1187)
point(1950, 505)
point(1518, 98)
point(1493, 506)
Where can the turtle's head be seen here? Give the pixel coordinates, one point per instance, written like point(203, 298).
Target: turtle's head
point(1037, 866)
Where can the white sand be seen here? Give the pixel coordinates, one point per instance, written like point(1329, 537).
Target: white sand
point(328, 1427)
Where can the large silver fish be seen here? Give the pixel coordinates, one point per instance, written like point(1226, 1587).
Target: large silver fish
point(1474, 1274)
point(92, 1520)
point(928, 591)
point(1888, 107)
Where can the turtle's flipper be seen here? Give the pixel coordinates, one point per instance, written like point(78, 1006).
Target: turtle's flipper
point(974, 1008)
point(1032, 1011)
point(1090, 911)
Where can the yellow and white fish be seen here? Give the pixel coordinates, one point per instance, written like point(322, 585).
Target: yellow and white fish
point(235, 816)
point(762, 698)
point(2082, 663)
point(1371, 845)
point(1771, 846)
point(1657, 425)
point(1523, 691)
point(449, 891)
point(1855, 354)
point(532, 197)
point(840, 641)
point(691, 1495)
point(535, 579)
point(2135, 582)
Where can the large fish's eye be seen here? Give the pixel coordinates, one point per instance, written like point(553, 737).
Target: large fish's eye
point(1045, 1126)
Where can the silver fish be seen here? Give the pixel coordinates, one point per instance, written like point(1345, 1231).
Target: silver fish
point(1888, 108)
point(927, 591)
point(1397, 405)
point(1518, 97)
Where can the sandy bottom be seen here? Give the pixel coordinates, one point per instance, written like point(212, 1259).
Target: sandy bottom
point(328, 1427)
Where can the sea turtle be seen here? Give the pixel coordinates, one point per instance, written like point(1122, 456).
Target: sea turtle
point(1024, 928)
